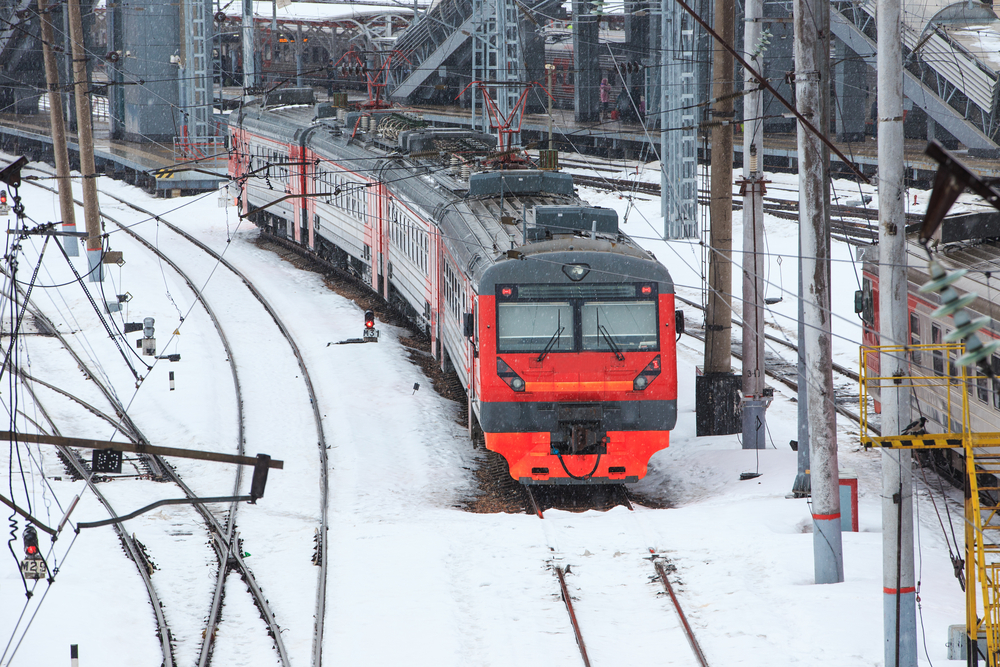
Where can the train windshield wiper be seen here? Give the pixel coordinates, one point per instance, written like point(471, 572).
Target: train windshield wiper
point(608, 337)
point(553, 340)
point(611, 342)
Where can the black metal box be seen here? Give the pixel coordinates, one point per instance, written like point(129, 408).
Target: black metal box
point(717, 403)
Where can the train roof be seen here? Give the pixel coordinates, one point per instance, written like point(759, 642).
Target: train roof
point(979, 257)
point(443, 175)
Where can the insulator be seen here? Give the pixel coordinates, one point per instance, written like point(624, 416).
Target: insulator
point(976, 351)
point(364, 123)
point(951, 303)
point(940, 278)
point(965, 327)
point(455, 168)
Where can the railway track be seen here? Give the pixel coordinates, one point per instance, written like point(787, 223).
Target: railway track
point(786, 372)
point(660, 573)
point(74, 461)
point(223, 534)
point(857, 225)
point(322, 536)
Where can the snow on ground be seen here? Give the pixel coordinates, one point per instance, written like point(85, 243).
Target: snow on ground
point(413, 578)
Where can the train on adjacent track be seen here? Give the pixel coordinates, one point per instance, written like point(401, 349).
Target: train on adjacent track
point(561, 329)
point(965, 242)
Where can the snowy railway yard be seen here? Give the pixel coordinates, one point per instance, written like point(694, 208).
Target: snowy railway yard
point(412, 575)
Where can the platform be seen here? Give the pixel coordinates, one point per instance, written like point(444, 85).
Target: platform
point(130, 161)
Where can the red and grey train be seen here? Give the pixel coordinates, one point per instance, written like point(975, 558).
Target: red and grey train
point(561, 328)
point(957, 249)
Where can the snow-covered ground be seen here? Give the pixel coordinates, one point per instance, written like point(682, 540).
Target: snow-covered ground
point(414, 579)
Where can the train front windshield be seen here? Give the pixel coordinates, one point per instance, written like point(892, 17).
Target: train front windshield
point(596, 318)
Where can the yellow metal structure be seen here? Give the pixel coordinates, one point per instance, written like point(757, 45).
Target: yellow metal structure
point(945, 388)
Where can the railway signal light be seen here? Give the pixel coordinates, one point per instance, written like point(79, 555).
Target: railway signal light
point(33, 565)
point(30, 539)
point(370, 334)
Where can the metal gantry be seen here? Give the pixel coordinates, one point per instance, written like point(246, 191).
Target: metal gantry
point(497, 61)
point(195, 84)
point(679, 124)
point(944, 397)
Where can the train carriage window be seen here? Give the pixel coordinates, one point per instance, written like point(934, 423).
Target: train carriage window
point(534, 326)
point(982, 388)
point(952, 366)
point(626, 325)
point(996, 382)
point(915, 338)
point(937, 355)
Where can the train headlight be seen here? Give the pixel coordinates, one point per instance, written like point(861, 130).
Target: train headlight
point(576, 272)
point(647, 375)
point(507, 374)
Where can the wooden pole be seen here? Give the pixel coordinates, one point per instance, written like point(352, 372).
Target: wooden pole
point(718, 314)
point(85, 134)
point(57, 123)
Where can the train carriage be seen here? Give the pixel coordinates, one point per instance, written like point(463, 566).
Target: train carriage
point(941, 407)
point(425, 218)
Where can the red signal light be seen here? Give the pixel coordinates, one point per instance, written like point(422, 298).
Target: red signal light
point(369, 319)
point(506, 291)
point(646, 289)
point(3, 197)
point(30, 538)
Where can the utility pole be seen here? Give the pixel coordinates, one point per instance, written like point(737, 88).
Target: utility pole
point(249, 50)
point(85, 134)
point(812, 90)
point(752, 188)
point(899, 597)
point(58, 124)
point(718, 314)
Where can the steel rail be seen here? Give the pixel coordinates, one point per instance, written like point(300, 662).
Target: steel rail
point(73, 458)
point(317, 652)
point(561, 576)
point(680, 613)
point(223, 536)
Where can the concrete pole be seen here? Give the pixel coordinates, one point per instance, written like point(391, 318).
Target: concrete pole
point(802, 487)
point(754, 403)
point(718, 314)
point(85, 134)
point(299, 51)
point(249, 49)
point(899, 599)
point(812, 86)
point(58, 125)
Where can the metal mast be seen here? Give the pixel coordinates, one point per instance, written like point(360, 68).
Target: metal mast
point(678, 124)
point(196, 102)
point(752, 188)
point(812, 85)
point(496, 57)
point(899, 598)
